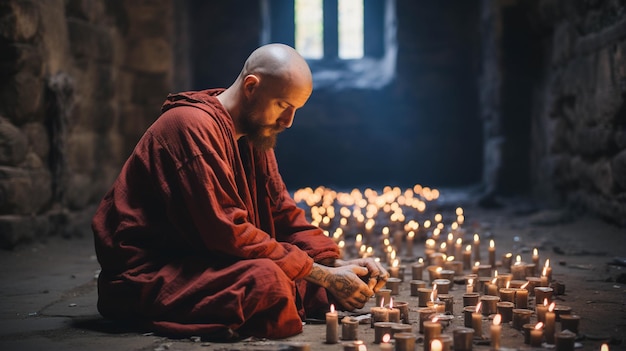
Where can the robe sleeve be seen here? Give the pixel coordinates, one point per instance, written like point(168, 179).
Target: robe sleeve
point(290, 221)
point(205, 187)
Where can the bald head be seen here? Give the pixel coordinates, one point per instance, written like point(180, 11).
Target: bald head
point(278, 61)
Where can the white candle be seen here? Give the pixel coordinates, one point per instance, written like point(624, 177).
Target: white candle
point(332, 324)
point(496, 330)
point(549, 325)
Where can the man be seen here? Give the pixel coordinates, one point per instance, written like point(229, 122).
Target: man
point(199, 236)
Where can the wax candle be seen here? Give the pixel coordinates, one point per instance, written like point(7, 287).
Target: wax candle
point(492, 253)
point(491, 288)
point(489, 304)
point(536, 335)
point(417, 269)
point(496, 330)
point(604, 347)
point(477, 321)
point(379, 314)
point(382, 295)
point(332, 324)
point(507, 258)
point(518, 268)
point(349, 330)
point(458, 247)
point(549, 324)
point(409, 243)
point(394, 285)
point(443, 285)
point(470, 299)
point(476, 247)
point(467, 257)
point(541, 309)
point(423, 296)
point(385, 345)
point(505, 309)
point(469, 287)
point(548, 270)
point(416, 285)
point(507, 294)
point(535, 258)
point(463, 339)
point(380, 330)
point(542, 292)
point(570, 322)
point(403, 306)
point(521, 316)
point(436, 345)
point(521, 297)
point(544, 277)
point(405, 341)
point(393, 313)
point(432, 329)
point(565, 341)
point(425, 314)
point(394, 270)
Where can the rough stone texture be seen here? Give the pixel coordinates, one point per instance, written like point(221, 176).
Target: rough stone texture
point(62, 139)
point(577, 140)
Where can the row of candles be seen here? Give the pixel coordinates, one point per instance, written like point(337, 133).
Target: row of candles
point(449, 258)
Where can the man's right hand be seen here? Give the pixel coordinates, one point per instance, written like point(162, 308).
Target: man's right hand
point(344, 283)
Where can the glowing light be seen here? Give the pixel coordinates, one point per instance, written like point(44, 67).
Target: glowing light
point(497, 319)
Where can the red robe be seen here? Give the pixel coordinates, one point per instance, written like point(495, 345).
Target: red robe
point(198, 234)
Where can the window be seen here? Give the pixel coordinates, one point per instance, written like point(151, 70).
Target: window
point(348, 43)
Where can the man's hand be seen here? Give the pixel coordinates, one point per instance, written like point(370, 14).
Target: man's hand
point(344, 283)
point(377, 275)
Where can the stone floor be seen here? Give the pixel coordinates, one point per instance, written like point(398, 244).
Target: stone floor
point(48, 292)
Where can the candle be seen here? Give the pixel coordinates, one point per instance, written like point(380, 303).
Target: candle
point(458, 247)
point(491, 288)
point(518, 268)
point(394, 270)
point(506, 261)
point(393, 313)
point(535, 258)
point(436, 345)
point(540, 310)
point(542, 292)
point(492, 253)
point(496, 330)
point(425, 314)
point(467, 257)
point(469, 288)
point(521, 316)
point(521, 297)
point(476, 247)
point(349, 329)
point(505, 309)
point(382, 295)
point(332, 324)
point(432, 329)
point(477, 321)
point(463, 339)
point(416, 285)
point(489, 304)
point(394, 285)
point(404, 311)
point(405, 341)
point(604, 347)
point(417, 269)
point(536, 335)
point(380, 330)
point(565, 341)
point(379, 313)
point(570, 322)
point(549, 324)
point(423, 296)
point(470, 299)
point(409, 243)
point(548, 270)
point(385, 345)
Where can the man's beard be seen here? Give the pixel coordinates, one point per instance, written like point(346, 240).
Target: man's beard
point(256, 133)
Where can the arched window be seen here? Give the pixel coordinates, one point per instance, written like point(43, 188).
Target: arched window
point(348, 43)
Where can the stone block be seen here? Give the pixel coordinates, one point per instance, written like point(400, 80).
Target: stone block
point(21, 97)
point(90, 41)
point(149, 55)
point(38, 139)
point(24, 191)
point(19, 20)
point(592, 141)
point(16, 57)
point(13, 144)
point(79, 191)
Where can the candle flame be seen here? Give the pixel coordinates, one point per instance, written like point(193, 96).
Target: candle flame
point(420, 260)
point(535, 252)
point(382, 302)
point(477, 263)
point(495, 273)
point(545, 301)
point(386, 338)
point(437, 345)
point(359, 238)
point(508, 284)
point(551, 307)
point(438, 269)
point(508, 255)
point(492, 244)
point(459, 241)
point(332, 308)
point(494, 280)
point(435, 319)
point(538, 325)
point(450, 236)
point(544, 272)
point(470, 281)
point(459, 211)
point(497, 319)
point(432, 295)
point(362, 347)
point(547, 263)
point(518, 259)
point(450, 258)
point(411, 234)
point(524, 286)
point(468, 248)
point(443, 245)
point(391, 303)
point(395, 263)
point(476, 238)
point(480, 304)
point(604, 347)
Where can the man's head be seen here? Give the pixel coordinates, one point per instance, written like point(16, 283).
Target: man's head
point(274, 82)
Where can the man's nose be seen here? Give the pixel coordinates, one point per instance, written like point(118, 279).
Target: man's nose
point(286, 119)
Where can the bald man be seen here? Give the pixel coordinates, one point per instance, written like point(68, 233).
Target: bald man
point(198, 235)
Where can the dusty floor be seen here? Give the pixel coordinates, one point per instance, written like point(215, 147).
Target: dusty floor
point(48, 291)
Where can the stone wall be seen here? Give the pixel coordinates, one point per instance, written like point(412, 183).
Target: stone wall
point(577, 110)
point(80, 81)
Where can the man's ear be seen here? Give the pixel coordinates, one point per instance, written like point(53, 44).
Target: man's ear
point(250, 83)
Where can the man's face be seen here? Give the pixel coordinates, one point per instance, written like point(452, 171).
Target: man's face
point(259, 125)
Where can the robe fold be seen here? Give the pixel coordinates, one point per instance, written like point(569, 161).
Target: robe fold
point(199, 235)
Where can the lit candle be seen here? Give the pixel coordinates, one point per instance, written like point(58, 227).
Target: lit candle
point(394, 270)
point(492, 253)
point(467, 257)
point(541, 310)
point(476, 247)
point(535, 258)
point(385, 345)
point(604, 347)
point(536, 335)
point(379, 313)
point(458, 247)
point(469, 288)
point(332, 324)
point(417, 269)
point(506, 261)
point(496, 330)
point(358, 242)
point(518, 268)
point(436, 345)
point(548, 270)
point(521, 297)
point(549, 325)
point(409, 243)
point(477, 321)
point(432, 329)
point(393, 313)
